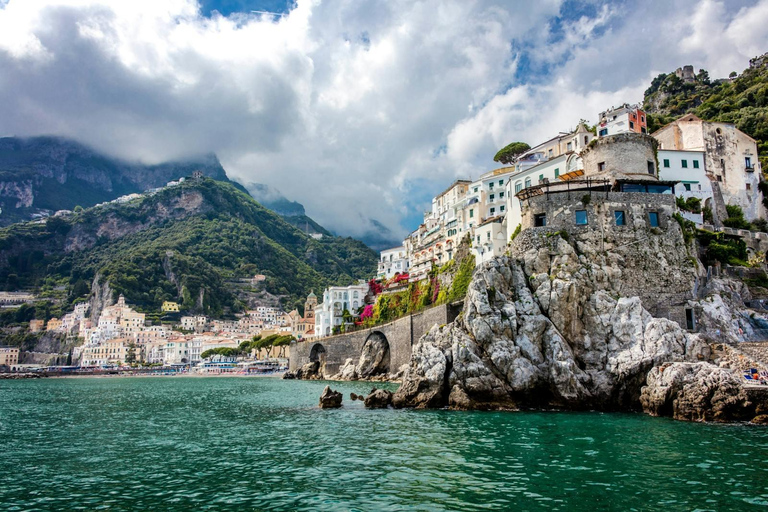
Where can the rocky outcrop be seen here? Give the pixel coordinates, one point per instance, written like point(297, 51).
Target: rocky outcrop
point(378, 399)
point(549, 329)
point(310, 371)
point(330, 399)
point(373, 363)
point(696, 392)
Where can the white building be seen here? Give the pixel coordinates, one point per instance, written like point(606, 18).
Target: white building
point(626, 118)
point(730, 159)
point(336, 300)
point(490, 240)
point(689, 169)
point(393, 261)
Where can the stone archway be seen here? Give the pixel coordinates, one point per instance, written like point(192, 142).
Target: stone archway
point(375, 356)
point(317, 353)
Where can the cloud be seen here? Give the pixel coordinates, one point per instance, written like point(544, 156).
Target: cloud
point(360, 110)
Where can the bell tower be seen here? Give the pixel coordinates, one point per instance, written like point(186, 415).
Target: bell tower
point(310, 305)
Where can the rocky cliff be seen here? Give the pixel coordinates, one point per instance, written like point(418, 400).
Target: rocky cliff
point(564, 322)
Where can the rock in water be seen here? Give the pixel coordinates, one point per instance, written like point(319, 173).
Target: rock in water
point(374, 359)
point(696, 392)
point(289, 375)
point(353, 396)
point(310, 371)
point(330, 399)
point(378, 399)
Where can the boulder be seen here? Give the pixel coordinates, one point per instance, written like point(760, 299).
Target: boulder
point(330, 399)
point(309, 371)
point(289, 375)
point(696, 392)
point(378, 399)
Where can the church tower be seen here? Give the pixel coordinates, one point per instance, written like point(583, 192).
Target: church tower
point(309, 306)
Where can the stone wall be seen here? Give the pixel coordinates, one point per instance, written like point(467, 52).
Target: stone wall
point(401, 335)
point(635, 259)
point(625, 156)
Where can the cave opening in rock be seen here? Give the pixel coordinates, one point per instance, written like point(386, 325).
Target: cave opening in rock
point(317, 353)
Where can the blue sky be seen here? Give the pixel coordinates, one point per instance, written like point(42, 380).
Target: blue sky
point(361, 110)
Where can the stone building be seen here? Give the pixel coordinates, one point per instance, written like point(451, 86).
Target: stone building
point(9, 356)
point(730, 160)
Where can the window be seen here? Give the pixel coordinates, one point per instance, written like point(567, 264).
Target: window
point(695, 164)
point(569, 146)
point(489, 235)
point(748, 162)
point(527, 182)
point(643, 130)
point(541, 178)
point(631, 125)
point(684, 163)
point(653, 219)
point(651, 168)
point(666, 162)
point(603, 133)
point(642, 119)
point(490, 185)
point(492, 197)
point(518, 187)
point(501, 208)
point(550, 153)
point(581, 217)
point(749, 186)
point(601, 167)
point(501, 182)
point(475, 189)
point(501, 194)
point(687, 187)
point(720, 178)
point(586, 140)
point(621, 218)
point(471, 213)
point(557, 172)
point(540, 220)
point(493, 210)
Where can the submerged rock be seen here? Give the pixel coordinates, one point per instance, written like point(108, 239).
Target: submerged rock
point(696, 392)
point(330, 399)
point(378, 399)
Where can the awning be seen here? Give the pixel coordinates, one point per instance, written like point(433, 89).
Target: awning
point(571, 175)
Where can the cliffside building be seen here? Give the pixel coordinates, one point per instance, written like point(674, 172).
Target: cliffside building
point(730, 160)
point(336, 300)
point(626, 118)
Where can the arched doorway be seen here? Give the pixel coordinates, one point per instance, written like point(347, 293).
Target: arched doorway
point(374, 358)
point(317, 353)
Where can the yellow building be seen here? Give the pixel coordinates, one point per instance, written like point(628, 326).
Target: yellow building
point(54, 324)
point(170, 307)
point(9, 355)
point(109, 352)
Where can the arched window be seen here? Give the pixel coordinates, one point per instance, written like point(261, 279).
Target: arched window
point(355, 295)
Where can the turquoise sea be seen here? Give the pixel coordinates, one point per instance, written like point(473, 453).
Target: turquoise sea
point(185, 443)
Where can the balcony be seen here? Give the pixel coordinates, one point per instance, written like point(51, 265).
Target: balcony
point(750, 169)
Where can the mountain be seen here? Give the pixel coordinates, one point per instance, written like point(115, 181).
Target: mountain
point(377, 236)
point(741, 100)
point(191, 243)
point(41, 175)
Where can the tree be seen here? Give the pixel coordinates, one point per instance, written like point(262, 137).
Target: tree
point(130, 356)
point(733, 74)
point(510, 152)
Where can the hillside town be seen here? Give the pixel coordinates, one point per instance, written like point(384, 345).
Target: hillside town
point(706, 166)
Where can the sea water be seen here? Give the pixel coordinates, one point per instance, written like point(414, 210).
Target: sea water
point(227, 443)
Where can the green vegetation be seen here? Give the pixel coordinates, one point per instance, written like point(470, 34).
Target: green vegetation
point(185, 244)
point(692, 204)
point(516, 232)
point(688, 227)
point(742, 101)
point(723, 248)
point(509, 153)
point(735, 218)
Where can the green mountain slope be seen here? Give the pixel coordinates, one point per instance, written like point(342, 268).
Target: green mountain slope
point(40, 175)
point(185, 243)
point(741, 100)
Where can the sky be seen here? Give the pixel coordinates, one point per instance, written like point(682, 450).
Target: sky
point(361, 110)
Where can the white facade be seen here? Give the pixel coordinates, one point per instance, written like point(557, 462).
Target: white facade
point(336, 299)
point(687, 167)
point(490, 240)
point(627, 118)
point(393, 261)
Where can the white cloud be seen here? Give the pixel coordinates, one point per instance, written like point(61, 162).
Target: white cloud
point(350, 107)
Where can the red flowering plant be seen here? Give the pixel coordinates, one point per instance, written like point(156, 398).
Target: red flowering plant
point(374, 287)
point(367, 312)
